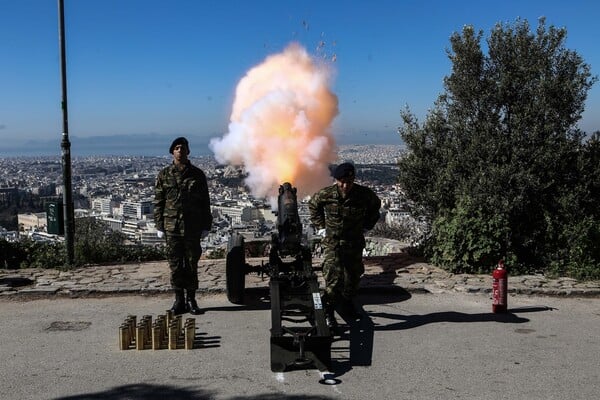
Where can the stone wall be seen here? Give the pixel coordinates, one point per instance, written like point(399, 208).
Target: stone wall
point(377, 246)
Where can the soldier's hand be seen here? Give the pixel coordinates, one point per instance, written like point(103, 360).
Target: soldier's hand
point(204, 234)
point(160, 234)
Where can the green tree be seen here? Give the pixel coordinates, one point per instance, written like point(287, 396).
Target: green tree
point(95, 242)
point(499, 166)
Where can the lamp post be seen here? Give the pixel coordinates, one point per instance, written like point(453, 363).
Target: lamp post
point(66, 144)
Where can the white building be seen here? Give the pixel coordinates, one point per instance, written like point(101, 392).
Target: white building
point(32, 221)
point(237, 214)
point(137, 209)
point(149, 237)
point(395, 216)
point(132, 229)
point(102, 205)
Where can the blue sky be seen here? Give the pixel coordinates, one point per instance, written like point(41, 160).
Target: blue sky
point(171, 67)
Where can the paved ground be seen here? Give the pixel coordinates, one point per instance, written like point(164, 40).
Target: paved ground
point(398, 270)
point(408, 346)
point(427, 334)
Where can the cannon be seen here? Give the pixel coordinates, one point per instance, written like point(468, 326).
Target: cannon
point(300, 337)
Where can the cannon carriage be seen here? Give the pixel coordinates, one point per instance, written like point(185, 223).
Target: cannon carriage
point(300, 337)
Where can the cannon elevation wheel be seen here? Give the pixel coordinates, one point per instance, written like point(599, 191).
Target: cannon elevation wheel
point(235, 269)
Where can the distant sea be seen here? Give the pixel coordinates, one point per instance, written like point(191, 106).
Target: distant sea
point(141, 145)
point(116, 145)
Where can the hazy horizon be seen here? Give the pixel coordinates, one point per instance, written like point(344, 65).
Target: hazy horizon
point(151, 144)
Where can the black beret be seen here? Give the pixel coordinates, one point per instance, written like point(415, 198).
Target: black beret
point(344, 170)
point(178, 141)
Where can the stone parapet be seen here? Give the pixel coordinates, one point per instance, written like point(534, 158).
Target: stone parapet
point(393, 271)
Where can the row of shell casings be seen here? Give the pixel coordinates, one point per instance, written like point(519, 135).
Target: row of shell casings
point(166, 332)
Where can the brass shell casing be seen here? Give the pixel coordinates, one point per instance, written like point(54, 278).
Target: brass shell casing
point(124, 338)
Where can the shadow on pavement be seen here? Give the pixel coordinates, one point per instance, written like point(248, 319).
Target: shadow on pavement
point(382, 295)
point(258, 298)
point(530, 309)
point(281, 396)
point(144, 391)
point(353, 346)
point(203, 341)
point(359, 334)
point(160, 392)
point(254, 299)
point(360, 337)
point(414, 321)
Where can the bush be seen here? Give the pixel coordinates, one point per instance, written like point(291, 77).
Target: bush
point(94, 243)
point(580, 257)
point(43, 254)
point(465, 241)
point(12, 255)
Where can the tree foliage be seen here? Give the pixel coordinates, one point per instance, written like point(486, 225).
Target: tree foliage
point(94, 243)
point(499, 166)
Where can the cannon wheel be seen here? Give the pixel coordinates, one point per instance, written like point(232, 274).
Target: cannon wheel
point(235, 269)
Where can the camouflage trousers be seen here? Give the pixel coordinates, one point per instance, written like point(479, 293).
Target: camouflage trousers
point(342, 269)
point(183, 253)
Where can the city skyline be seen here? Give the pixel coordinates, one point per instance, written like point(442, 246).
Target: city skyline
point(143, 72)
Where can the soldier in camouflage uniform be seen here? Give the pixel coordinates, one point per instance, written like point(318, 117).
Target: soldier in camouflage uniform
point(182, 212)
point(342, 213)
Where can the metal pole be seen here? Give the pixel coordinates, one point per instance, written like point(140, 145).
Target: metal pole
point(66, 144)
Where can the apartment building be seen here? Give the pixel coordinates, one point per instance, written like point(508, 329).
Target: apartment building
point(32, 221)
point(136, 209)
point(103, 205)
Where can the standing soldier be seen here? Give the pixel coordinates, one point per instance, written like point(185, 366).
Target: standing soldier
point(182, 212)
point(342, 213)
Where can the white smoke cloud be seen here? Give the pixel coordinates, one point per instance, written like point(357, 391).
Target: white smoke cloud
point(280, 124)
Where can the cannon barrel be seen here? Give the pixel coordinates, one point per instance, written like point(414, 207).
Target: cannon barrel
point(289, 227)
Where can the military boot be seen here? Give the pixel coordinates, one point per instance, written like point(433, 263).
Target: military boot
point(179, 306)
point(192, 305)
point(330, 317)
point(349, 310)
point(329, 310)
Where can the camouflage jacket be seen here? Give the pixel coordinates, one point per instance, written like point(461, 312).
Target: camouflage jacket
point(344, 219)
point(181, 201)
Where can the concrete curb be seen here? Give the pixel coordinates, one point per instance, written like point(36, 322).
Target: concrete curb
point(396, 272)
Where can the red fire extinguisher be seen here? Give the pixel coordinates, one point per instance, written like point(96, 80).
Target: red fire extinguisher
point(499, 288)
